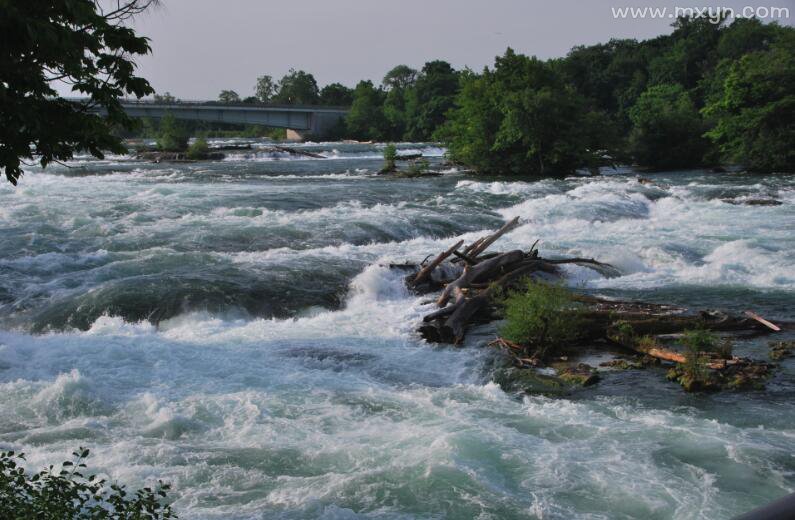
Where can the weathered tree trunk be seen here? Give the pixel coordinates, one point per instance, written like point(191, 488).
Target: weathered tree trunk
point(484, 270)
point(426, 271)
point(492, 238)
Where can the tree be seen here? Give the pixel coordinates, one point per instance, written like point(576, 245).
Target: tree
point(667, 129)
point(266, 88)
point(401, 77)
point(755, 113)
point(165, 98)
point(297, 88)
point(173, 137)
point(75, 42)
point(228, 96)
point(522, 118)
point(428, 102)
point(336, 94)
point(365, 120)
point(251, 100)
point(397, 83)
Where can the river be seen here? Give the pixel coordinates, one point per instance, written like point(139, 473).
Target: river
point(229, 327)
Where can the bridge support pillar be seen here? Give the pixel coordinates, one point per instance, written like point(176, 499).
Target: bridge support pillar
point(294, 135)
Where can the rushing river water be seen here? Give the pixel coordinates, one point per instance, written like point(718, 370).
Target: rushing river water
point(227, 327)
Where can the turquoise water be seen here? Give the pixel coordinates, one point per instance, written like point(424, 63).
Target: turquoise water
point(229, 327)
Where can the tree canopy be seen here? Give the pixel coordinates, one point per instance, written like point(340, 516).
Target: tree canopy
point(755, 112)
point(72, 42)
point(228, 96)
point(297, 87)
point(265, 88)
point(522, 118)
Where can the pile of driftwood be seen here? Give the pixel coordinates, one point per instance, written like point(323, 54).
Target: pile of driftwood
point(470, 282)
point(470, 278)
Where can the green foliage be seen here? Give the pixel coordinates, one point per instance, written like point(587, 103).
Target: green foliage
point(198, 149)
point(704, 340)
point(297, 88)
point(336, 94)
point(647, 342)
point(173, 137)
point(265, 88)
point(366, 120)
point(72, 41)
point(67, 493)
point(523, 118)
point(542, 316)
point(624, 332)
point(428, 101)
point(397, 83)
point(756, 107)
point(390, 156)
point(694, 369)
point(418, 166)
point(165, 98)
point(228, 96)
point(400, 77)
point(665, 120)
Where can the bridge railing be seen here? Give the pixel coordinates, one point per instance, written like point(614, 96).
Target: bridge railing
point(194, 102)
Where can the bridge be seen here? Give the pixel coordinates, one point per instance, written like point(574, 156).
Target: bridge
point(300, 121)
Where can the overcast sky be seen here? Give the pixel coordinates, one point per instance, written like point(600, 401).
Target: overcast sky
point(203, 46)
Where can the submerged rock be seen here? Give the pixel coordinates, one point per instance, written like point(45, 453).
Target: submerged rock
point(529, 381)
point(734, 374)
point(580, 375)
point(781, 349)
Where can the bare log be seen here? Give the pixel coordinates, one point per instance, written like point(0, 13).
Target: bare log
point(468, 249)
point(760, 319)
point(602, 268)
point(293, 151)
point(659, 353)
point(426, 271)
point(484, 270)
point(466, 258)
point(493, 237)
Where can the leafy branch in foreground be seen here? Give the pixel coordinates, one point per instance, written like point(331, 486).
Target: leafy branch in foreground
point(73, 42)
point(67, 493)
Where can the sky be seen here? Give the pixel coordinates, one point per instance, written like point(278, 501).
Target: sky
point(200, 47)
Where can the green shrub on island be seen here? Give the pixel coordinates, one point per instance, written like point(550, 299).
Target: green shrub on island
point(542, 316)
point(198, 149)
point(172, 137)
point(70, 493)
point(390, 156)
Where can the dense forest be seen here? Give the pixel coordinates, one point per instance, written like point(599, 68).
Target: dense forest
point(705, 95)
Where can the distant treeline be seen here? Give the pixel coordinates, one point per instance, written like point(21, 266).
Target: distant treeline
point(707, 94)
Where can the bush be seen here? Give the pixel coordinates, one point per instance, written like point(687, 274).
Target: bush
point(198, 149)
point(390, 156)
point(543, 316)
point(419, 166)
point(67, 494)
point(705, 341)
point(173, 137)
point(694, 369)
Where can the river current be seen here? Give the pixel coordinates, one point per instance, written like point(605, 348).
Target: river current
point(231, 327)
